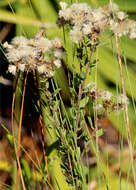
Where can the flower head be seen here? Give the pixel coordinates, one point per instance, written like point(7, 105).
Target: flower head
point(63, 5)
point(12, 69)
point(121, 15)
point(87, 22)
point(76, 34)
point(57, 63)
point(44, 44)
point(34, 54)
point(105, 95)
point(122, 99)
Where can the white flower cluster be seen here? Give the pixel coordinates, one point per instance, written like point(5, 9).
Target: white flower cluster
point(104, 100)
point(85, 21)
point(39, 54)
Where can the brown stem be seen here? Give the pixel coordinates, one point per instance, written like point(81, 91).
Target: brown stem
point(19, 131)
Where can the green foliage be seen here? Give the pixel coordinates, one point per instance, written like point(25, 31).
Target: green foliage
point(26, 172)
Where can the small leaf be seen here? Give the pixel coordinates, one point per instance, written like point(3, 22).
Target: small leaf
point(82, 75)
point(90, 122)
point(57, 91)
point(100, 132)
point(84, 101)
point(26, 170)
point(10, 139)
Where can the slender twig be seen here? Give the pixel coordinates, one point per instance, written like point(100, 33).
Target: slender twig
point(5, 31)
point(126, 110)
point(12, 128)
point(19, 131)
point(21, 117)
point(12, 125)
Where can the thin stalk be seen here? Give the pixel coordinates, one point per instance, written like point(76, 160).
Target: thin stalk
point(14, 138)
point(97, 138)
point(12, 126)
point(126, 109)
point(21, 117)
point(19, 132)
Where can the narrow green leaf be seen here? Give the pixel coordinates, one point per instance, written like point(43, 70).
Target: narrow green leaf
point(7, 16)
point(100, 132)
point(84, 101)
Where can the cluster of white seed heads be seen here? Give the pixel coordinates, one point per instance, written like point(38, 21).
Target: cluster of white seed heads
point(39, 54)
point(89, 22)
point(104, 101)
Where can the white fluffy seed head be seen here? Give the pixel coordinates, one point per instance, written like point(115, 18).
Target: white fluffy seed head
point(12, 69)
point(121, 15)
point(76, 35)
point(44, 44)
point(63, 5)
point(20, 41)
point(7, 46)
point(57, 43)
point(14, 55)
point(21, 67)
point(122, 99)
point(66, 14)
point(105, 95)
point(57, 63)
point(59, 53)
point(98, 108)
point(41, 69)
point(87, 28)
